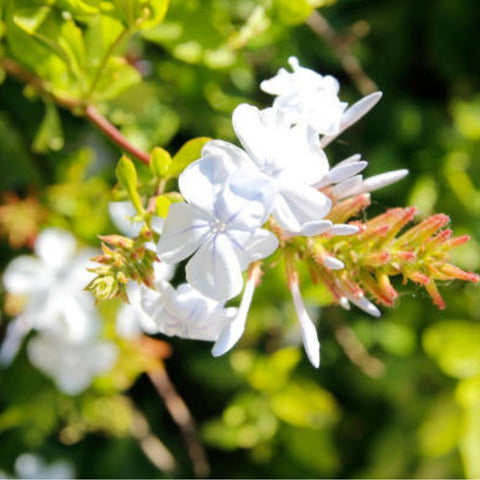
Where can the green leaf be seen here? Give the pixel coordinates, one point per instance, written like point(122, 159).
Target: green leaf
point(29, 19)
point(127, 177)
point(117, 76)
point(189, 152)
point(162, 205)
point(142, 14)
point(50, 134)
point(455, 345)
point(160, 162)
point(305, 404)
point(293, 12)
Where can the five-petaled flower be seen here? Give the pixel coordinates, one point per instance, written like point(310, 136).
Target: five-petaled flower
point(220, 225)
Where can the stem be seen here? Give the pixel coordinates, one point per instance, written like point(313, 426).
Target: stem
point(320, 26)
point(75, 106)
point(107, 55)
point(114, 134)
point(182, 416)
point(355, 350)
point(151, 445)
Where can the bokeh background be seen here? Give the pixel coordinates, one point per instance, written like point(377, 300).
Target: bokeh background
point(397, 396)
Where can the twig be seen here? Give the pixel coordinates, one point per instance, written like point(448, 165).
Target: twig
point(151, 445)
point(182, 416)
point(355, 350)
point(320, 26)
point(75, 106)
point(114, 134)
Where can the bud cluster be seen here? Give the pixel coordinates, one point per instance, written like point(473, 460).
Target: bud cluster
point(384, 247)
point(127, 260)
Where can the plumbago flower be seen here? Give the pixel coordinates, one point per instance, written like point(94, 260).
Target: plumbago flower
point(278, 191)
point(220, 224)
point(312, 99)
point(185, 312)
point(55, 305)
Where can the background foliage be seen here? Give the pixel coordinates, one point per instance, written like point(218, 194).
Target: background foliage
point(410, 407)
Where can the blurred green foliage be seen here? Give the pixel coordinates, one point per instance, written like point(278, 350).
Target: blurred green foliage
point(262, 410)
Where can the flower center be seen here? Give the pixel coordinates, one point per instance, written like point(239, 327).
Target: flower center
point(218, 226)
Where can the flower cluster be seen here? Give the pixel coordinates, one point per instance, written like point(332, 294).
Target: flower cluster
point(244, 203)
point(48, 289)
point(277, 192)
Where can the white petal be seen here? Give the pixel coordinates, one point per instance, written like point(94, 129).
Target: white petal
point(185, 229)
point(25, 275)
point(295, 205)
point(309, 332)
point(311, 229)
point(232, 156)
point(214, 270)
point(232, 333)
point(279, 84)
point(379, 181)
point(249, 128)
point(353, 114)
point(332, 263)
point(260, 244)
point(201, 181)
point(121, 213)
point(16, 331)
point(55, 248)
point(246, 201)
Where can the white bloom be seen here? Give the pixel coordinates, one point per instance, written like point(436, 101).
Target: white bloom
point(233, 331)
point(308, 97)
point(29, 465)
point(71, 365)
point(185, 312)
point(309, 332)
point(131, 319)
point(220, 224)
point(290, 157)
point(52, 285)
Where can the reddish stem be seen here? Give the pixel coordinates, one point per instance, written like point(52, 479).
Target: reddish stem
point(114, 134)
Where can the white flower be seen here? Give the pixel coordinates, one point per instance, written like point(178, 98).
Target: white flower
point(308, 97)
point(233, 331)
point(29, 465)
point(290, 157)
point(185, 312)
point(220, 224)
point(52, 284)
point(131, 318)
point(71, 365)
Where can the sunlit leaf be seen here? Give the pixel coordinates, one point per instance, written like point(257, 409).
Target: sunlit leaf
point(50, 132)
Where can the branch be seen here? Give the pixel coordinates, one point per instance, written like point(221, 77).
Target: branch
point(320, 26)
point(75, 106)
point(114, 134)
point(355, 350)
point(182, 416)
point(151, 445)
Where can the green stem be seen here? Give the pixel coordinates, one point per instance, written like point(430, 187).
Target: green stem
point(108, 54)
